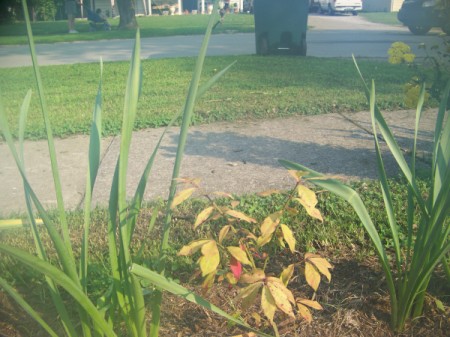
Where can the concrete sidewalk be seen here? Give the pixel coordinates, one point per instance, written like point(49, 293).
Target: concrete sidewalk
point(231, 157)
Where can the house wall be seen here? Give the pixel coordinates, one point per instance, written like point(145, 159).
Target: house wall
point(396, 4)
point(382, 5)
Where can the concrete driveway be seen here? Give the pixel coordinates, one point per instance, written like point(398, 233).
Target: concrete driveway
point(329, 36)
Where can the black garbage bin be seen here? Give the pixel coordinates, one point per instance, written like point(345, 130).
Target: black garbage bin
point(280, 26)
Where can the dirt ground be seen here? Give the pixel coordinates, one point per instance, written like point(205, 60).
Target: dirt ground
point(355, 303)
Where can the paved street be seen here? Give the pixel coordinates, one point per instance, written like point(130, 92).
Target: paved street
point(329, 36)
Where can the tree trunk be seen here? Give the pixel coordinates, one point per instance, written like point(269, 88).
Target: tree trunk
point(127, 14)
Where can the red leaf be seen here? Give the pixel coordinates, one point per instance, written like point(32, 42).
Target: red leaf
point(235, 267)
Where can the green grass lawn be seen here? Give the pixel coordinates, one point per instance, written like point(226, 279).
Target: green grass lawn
point(389, 18)
point(255, 87)
point(50, 32)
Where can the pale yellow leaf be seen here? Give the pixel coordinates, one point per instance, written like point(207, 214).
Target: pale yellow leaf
point(182, 196)
point(262, 240)
point(288, 237)
point(208, 264)
point(304, 312)
point(210, 259)
point(307, 195)
point(286, 274)
point(270, 224)
point(276, 282)
point(308, 199)
point(312, 304)
point(281, 300)
point(240, 216)
point(239, 254)
point(203, 216)
point(192, 247)
point(210, 248)
point(315, 213)
point(312, 276)
point(322, 265)
point(223, 232)
point(268, 304)
point(255, 276)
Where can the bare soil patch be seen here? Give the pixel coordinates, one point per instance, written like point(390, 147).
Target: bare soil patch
point(355, 304)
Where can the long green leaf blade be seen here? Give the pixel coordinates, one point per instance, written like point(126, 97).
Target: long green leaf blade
point(50, 141)
point(64, 281)
point(384, 184)
point(25, 306)
point(94, 164)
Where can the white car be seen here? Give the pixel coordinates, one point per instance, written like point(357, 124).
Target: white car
point(340, 6)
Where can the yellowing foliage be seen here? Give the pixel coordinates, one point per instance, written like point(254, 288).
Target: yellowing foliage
point(244, 263)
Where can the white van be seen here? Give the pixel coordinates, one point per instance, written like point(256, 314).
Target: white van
point(340, 6)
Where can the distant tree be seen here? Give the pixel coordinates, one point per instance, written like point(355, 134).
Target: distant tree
point(10, 10)
point(45, 10)
point(127, 14)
